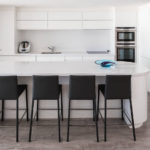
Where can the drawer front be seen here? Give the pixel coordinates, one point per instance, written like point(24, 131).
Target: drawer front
point(73, 58)
point(31, 25)
point(97, 25)
point(26, 16)
point(64, 16)
point(103, 15)
point(50, 58)
point(94, 58)
point(65, 25)
point(17, 58)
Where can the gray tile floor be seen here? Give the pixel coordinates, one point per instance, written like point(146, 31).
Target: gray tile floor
point(81, 138)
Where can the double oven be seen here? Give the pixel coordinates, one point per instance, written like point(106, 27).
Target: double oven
point(126, 43)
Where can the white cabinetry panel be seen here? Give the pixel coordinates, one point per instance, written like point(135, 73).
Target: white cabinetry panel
point(64, 16)
point(73, 58)
point(53, 58)
point(31, 25)
point(101, 15)
point(26, 16)
point(97, 25)
point(64, 24)
point(93, 58)
point(17, 58)
point(126, 17)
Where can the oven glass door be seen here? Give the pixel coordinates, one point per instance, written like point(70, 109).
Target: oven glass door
point(126, 54)
point(126, 36)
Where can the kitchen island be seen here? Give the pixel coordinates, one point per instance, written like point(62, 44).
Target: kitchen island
point(25, 70)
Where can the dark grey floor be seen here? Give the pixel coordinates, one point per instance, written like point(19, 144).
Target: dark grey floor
point(81, 138)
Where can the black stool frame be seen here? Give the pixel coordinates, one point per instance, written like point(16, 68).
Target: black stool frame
point(87, 86)
point(122, 91)
point(9, 84)
point(43, 90)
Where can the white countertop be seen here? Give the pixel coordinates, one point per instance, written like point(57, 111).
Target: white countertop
point(68, 68)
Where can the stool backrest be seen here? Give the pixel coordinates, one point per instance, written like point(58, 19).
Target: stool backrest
point(45, 87)
point(118, 87)
point(82, 87)
point(8, 87)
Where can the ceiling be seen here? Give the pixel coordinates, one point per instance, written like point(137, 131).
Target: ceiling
point(73, 3)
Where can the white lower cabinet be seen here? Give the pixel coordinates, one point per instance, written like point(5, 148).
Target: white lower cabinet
point(53, 58)
point(18, 58)
point(97, 57)
point(73, 58)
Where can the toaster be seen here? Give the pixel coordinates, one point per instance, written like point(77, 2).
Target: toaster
point(24, 47)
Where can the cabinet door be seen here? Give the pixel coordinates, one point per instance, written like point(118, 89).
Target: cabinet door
point(99, 15)
point(65, 25)
point(17, 58)
point(64, 16)
point(92, 58)
point(97, 25)
point(26, 16)
point(31, 25)
point(73, 58)
point(53, 58)
point(126, 17)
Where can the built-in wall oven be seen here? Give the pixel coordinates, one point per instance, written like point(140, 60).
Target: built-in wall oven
point(126, 43)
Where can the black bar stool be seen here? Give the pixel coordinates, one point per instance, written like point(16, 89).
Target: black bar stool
point(116, 87)
point(82, 88)
point(46, 88)
point(10, 90)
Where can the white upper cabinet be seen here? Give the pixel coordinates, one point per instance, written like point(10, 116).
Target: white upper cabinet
point(30, 16)
point(126, 17)
point(98, 25)
point(99, 15)
point(66, 25)
point(64, 16)
point(31, 25)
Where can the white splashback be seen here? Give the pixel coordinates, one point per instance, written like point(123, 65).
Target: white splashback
point(69, 40)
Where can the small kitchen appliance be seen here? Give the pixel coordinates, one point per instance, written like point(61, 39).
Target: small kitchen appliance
point(24, 47)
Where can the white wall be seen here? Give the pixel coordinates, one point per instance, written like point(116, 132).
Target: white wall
point(7, 30)
point(144, 37)
point(70, 40)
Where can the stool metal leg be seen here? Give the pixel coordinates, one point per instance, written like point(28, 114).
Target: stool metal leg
point(133, 127)
point(27, 109)
point(98, 105)
point(96, 122)
point(30, 132)
point(93, 110)
point(17, 121)
point(122, 109)
point(3, 106)
point(62, 116)
point(68, 126)
point(37, 111)
point(105, 121)
point(58, 108)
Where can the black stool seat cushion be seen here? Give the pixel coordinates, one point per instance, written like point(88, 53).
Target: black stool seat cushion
point(82, 87)
point(46, 87)
point(21, 88)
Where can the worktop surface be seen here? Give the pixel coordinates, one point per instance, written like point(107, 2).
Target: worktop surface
point(69, 68)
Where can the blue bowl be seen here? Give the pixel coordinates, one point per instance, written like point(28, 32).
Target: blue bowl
point(105, 63)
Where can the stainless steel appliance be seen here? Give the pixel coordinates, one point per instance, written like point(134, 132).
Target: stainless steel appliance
point(126, 43)
point(126, 53)
point(125, 35)
point(24, 47)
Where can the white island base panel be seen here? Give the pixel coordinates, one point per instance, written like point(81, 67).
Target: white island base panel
point(139, 100)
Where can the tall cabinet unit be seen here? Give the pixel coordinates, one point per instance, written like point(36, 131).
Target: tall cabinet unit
point(7, 30)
